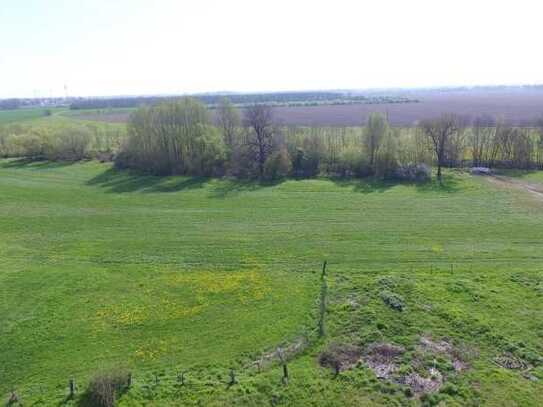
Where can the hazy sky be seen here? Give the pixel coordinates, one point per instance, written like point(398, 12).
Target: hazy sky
point(108, 47)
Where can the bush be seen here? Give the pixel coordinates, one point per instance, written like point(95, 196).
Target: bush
point(413, 173)
point(352, 162)
point(105, 388)
point(393, 300)
point(305, 163)
point(31, 145)
point(278, 165)
point(69, 144)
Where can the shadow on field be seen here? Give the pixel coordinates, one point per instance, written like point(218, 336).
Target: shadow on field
point(374, 185)
point(121, 181)
point(450, 184)
point(34, 164)
point(232, 187)
point(124, 181)
point(364, 186)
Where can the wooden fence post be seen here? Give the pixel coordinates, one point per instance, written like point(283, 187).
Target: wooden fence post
point(232, 377)
point(283, 360)
point(322, 307)
point(323, 275)
point(71, 385)
point(285, 373)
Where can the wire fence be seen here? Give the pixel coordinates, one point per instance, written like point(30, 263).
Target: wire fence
point(197, 378)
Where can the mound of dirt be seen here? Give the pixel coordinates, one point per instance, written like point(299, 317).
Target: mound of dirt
point(421, 385)
point(340, 357)
point(443, 347)
point(382, 359)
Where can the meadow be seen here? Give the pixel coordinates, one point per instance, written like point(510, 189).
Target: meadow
point(109, 269)
point(23, 115)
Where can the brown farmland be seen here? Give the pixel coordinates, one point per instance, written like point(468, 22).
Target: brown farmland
point(521, 107)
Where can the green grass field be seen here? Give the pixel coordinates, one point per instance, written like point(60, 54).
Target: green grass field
point(102, 269)
point(23, 115)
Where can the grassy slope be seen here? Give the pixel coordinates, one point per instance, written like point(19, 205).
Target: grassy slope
point(529, 176)
point(101, 268)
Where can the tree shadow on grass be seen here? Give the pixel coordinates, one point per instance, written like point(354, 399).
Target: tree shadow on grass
point(231, 187)
point(28, 163)
point(364, 185)
point(370, 185)
point(450, 184)
point(116, 181)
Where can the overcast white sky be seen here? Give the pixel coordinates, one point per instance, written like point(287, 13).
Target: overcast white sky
point(108, 47)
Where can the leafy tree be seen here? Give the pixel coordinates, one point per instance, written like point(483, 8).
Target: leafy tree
point(173, 138)
point(376, 129)
point(278, 165)
point(228, 120)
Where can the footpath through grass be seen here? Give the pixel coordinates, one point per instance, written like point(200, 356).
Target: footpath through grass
point(102, 269)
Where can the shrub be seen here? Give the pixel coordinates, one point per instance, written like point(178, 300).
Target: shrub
point(31, 145)
point(413, 173)
point(305, 163)
point(393, 300)
point(105, 388)
point(68, 143)
point(278, 165)
point(352, 162)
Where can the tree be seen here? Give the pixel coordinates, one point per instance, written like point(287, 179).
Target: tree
point(173, 138)
point(258, 121)
point(440, 132)
point(278, 165)
point(228, 120)
point(376, 129)
point(386, 159)
point(483, 133)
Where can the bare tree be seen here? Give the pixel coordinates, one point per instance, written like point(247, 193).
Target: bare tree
point(258, 120)
point(483, 134)
point(440, 131)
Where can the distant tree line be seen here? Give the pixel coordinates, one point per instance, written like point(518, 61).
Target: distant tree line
point(9, 104)
point(212, 100)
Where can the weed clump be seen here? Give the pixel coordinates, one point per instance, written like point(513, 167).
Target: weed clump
point(105, 387)
point(393, 300)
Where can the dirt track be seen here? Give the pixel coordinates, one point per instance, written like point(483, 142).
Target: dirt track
point(506, 182)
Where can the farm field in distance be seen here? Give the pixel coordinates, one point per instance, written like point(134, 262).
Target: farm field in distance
point(104, 268)
point(519, 107)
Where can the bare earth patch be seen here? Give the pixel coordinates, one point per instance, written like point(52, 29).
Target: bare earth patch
point(382, 358)
point(340, 357)
point(445, 348)
point(421, 385)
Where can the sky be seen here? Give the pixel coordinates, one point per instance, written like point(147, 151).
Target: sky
point(137, 47)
